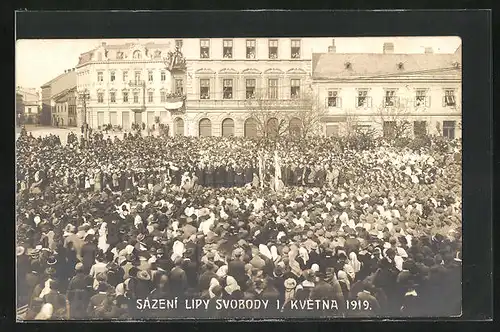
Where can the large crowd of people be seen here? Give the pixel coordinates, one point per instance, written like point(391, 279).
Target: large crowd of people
point(106, 224)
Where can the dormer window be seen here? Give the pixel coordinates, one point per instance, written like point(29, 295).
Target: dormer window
point(401, 66)
point(157, 54)
point(137, 55)
point(348, 65)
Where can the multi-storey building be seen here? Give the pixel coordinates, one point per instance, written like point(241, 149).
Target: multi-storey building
point(53, 88)
point(383, 90)
point(64, 111)
point(198, 87)
point(27, 104)
point(124, 84)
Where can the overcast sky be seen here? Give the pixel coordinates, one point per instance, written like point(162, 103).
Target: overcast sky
point(39, 61)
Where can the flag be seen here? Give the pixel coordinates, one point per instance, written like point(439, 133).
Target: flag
point(261, 171)
point(277, 170)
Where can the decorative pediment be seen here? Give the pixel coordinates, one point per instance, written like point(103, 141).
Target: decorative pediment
point(274, 71)
point(205, 71)
point(252, 71)
point(229, 71)
point(157, 54)
point(297, 71)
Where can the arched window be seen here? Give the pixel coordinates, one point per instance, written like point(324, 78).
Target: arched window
point(228, 127)
point(205, 128)
point(251, 128)
point(272, 127)
point(179, 127)
point(137, 54)
point(295, 127)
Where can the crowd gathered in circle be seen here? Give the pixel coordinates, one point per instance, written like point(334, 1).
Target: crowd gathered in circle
point(104, 224)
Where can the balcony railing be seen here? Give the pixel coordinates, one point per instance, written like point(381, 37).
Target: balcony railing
point(248, 103)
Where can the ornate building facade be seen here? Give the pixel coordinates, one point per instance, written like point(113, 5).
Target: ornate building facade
point(198, 87)
point(385, 90)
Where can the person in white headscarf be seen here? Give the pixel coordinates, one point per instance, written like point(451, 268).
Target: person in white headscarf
point(303, 258)
point(103, 238)
point(354, 262)
point(46, 312)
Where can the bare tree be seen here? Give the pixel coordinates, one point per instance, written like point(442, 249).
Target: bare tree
point(271, 121)
point(393, 117)
point(308, 115)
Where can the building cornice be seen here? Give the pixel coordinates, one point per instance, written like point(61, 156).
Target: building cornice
point(391, 80)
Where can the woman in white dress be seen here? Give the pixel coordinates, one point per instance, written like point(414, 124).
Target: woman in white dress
point(103, 238)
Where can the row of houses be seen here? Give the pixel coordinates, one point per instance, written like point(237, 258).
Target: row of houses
point(243, 86)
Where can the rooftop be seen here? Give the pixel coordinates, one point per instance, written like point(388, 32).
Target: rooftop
point(365, 65)
point(52, 81)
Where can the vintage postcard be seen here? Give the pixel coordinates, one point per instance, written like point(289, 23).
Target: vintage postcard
point(247, 177)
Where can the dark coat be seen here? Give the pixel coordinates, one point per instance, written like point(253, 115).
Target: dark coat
point(230, 177)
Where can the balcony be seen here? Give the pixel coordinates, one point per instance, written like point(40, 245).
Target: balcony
point(247, 104)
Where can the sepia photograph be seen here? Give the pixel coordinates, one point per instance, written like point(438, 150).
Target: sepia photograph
point(238, 177)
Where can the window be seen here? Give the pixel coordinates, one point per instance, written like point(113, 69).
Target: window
point(179, 86)
point(163, 76)
point(150, 96)
point(150, 76)
point(112, 97)
point(333, 99)
point(99, 76)
point(227, 48)
point(137, 76)
point(137, 55)
point(125, 76)
point(100, 97)
point(294, 88)
point(390, 98)
point(295, 50)
point(125, 96)
point(250, 48)
point(112, 76)
point(163, 96)
point(272, 88)
point(421, 98)
point(178, 44)
point(119, 55)
point(273, 49)
point(204, 89)
point(419, 128)
point(136, 97)
point(449, 129)
point(227, 89)
point(204, 48)
point(362, 100)
point(449, 97)
point(250, 88)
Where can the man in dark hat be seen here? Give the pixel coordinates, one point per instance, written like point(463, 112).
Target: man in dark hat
point(79, 292)
point(89, 252)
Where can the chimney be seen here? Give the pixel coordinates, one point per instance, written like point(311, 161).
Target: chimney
point(388, 48)
point(332, 48)
point(429, 50)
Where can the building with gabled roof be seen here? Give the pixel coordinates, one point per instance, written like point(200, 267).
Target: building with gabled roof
point(55, 86)
point(378, 90)
point(64, 109)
